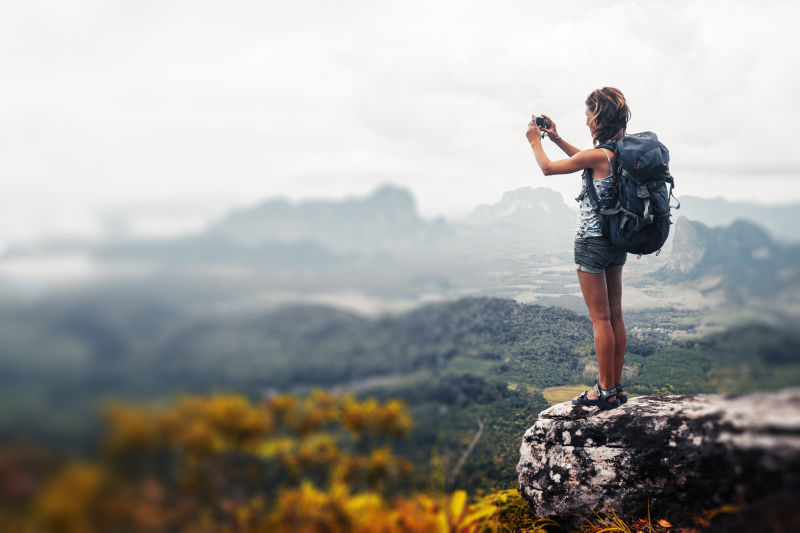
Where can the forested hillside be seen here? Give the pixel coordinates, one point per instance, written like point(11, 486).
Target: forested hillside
point(455, 363)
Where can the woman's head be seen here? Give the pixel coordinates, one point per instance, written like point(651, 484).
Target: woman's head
point(607, 114)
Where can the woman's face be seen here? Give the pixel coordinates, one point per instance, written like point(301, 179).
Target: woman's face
point(588, 120)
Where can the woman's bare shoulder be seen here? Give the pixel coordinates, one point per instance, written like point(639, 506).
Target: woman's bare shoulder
point(597, 155)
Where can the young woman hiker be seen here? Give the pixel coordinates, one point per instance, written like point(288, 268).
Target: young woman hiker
point(598, 262)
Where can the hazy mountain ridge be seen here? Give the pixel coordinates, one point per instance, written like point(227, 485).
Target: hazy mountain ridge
point(742, 255)
point(777, 220)
point(377, 243)
point(280, 235)
point(540, 208)
point(378, 247)
point(384, 220)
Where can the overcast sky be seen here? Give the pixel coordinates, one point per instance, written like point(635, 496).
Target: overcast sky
point(172, 112)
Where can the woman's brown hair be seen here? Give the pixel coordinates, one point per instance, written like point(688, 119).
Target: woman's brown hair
point(608, 114)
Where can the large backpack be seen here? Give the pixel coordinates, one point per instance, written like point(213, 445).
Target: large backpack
point(639, 222)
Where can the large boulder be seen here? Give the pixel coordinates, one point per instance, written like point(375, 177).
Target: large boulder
point(685, 454)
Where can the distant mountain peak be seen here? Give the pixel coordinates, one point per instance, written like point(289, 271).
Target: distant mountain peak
point(389, 192)
point(718, 211)
point(393, 198)
point(537, 208)
point(742, 254)
point(384, 219)
point(531, 193)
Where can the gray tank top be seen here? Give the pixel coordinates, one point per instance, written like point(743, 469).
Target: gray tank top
point(588, 223)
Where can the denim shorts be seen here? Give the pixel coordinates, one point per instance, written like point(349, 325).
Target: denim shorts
point(595, 254)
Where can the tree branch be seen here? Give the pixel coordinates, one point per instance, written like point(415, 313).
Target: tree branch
point(463, 459)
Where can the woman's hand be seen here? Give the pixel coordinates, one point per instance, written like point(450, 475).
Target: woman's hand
point(551, 130)
point(533, 134)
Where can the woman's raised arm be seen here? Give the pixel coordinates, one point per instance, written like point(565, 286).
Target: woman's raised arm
point(580, 160)
point(590, 158)
point(553, 135)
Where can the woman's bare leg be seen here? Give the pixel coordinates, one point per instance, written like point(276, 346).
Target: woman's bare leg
point(595, 294)
point(614, 288)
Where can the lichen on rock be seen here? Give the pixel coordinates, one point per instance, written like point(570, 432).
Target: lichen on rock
point(680, 454)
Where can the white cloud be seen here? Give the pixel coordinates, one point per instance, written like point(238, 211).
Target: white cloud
point(110, 103)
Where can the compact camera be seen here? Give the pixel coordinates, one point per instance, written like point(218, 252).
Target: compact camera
point(541, 122)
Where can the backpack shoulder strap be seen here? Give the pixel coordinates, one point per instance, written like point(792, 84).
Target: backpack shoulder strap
point(589, 190)
point(611, 145)
point(588, 186)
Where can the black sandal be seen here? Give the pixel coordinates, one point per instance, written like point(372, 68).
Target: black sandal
point(620, 390)
point(602, 398)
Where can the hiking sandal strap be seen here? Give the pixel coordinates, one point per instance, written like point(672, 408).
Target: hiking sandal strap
point(603, 394)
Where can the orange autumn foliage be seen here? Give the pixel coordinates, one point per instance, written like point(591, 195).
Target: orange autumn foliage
point(323, 463)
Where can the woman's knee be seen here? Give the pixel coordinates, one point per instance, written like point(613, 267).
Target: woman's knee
point(600, 315)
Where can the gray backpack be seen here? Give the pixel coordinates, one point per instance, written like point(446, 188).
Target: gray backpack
point(639, 222)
